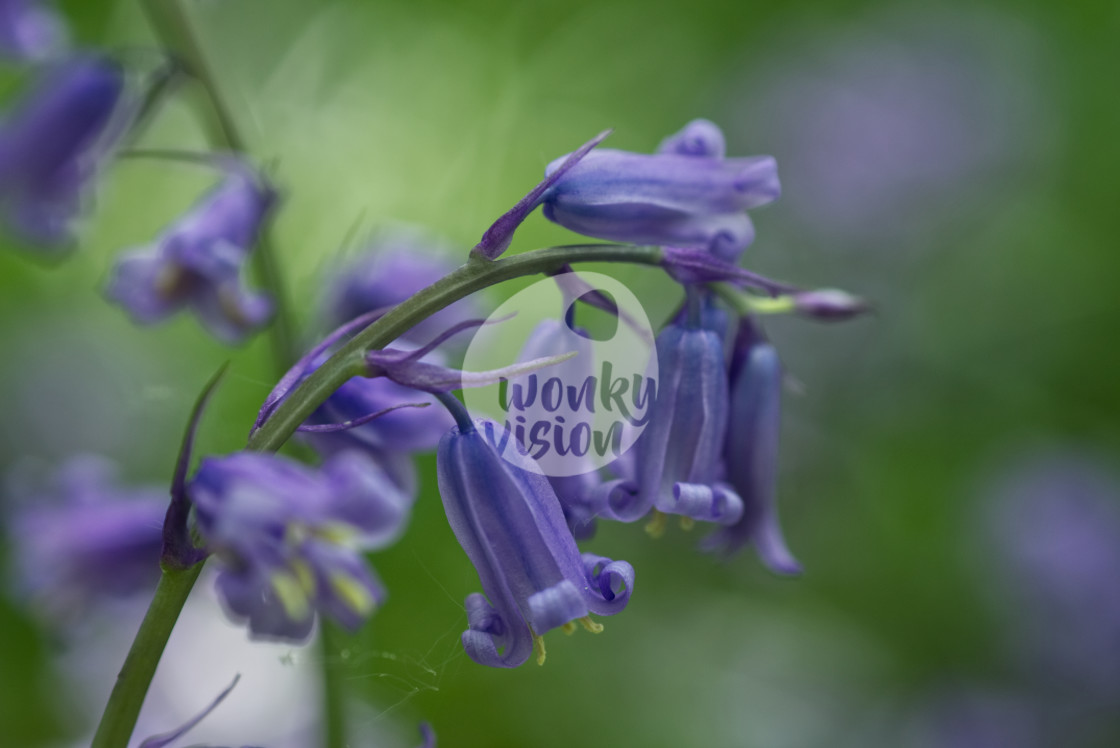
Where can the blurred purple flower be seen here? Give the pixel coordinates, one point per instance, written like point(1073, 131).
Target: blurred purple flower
point(686, 195)
point(52, 144)
point(972, 718)
point(678, 460)
point(885, 128)
point(290, 537)
point(751, 451)
point(81, 536)
point(30, 31)
point(395, 265)
point(510, 524)
point(1054, 528)
point(198, 260)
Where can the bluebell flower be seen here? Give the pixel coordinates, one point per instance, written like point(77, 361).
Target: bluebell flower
point(30, 31)
point(394, 265)
point(52, 144)
point(290, 536)
point(678, 463)
point(686, 195)
point(509, 522)
point(197, 262)
point(751, 451)
point(82, 536)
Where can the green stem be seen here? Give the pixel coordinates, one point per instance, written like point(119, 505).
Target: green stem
point(135, 676)
point(173, 26)
point(349, 360)
point(334, 695)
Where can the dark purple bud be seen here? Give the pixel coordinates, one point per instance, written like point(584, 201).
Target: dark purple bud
point(291, 537)
point(829, 304)
point(510, 523)
point(30, 31)
point(52, 144)
point(680, 197)
point(197, 262)
point(751, 452)
point(678, 457)
point(497, 238)
point(81, 536)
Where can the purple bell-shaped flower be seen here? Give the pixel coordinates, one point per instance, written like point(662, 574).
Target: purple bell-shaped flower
point(509, 522)
point(197, 263)
point(751, 451)
point(291, 537)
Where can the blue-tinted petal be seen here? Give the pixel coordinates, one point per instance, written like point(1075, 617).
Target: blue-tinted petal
point(511, 526)
point(30, 31)
point(752, 454)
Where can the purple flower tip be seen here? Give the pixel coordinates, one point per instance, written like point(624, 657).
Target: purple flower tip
point(497, 238)
point(830, 304)
point(197, 262)
point(510, 523)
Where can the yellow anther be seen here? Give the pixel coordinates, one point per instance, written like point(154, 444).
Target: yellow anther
point(292, 596)
point(353, 594)
point(538, 647)
point(655, 528)
point(593, 626)
point(687, 523)
point(569, 628)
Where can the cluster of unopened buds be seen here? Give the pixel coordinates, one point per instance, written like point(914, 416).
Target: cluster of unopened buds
point(290, 537)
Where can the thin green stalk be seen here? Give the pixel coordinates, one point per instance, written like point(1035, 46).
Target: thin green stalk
point(173, 25)
point(349, 360)
point(135, 676)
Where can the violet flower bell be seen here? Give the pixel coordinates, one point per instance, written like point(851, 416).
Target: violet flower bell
point(291, 537)
point(677, 466)
point(30, 31)
point(198, 261)
point(509, 521)
point(52, 145)
point(82, 536)
point(751, 451)
point(685, 195)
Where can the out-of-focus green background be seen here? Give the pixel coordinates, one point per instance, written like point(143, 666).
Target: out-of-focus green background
point(956, 162)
